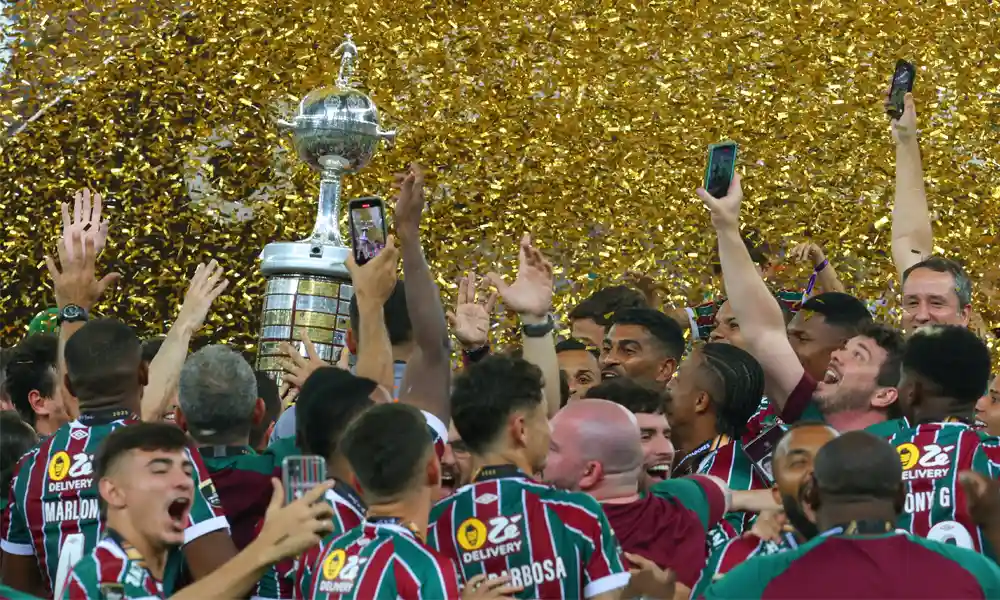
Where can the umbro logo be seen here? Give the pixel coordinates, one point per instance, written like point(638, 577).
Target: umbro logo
point(78, 434)
point(486, 499)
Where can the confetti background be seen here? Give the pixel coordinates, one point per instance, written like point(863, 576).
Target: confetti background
point(582, 122)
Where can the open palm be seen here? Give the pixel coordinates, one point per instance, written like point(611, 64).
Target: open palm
point(470, 321)
point(531, 292)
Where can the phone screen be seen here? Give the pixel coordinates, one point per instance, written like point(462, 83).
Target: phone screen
point(299, 474)
point(721, 166)
point(902, 82)
point(760, 449)
point(368, 231)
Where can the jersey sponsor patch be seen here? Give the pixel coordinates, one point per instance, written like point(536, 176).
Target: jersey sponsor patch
point(340, 572)
point(211, 494)
point(113, 591)
point(70, 472)
point(932, 461)
point(497, 537)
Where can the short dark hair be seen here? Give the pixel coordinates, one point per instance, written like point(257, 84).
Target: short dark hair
point(150, 348)
point(386, 465)
point(146, 436)
point(604, 303)
point(102, 359)
point(573, 344)
point(487, 392)
point(18, 437)
point(397, 316)
point(664, 330)
point(940, 264)
point(950, 357)
point(839, 310)
point(858, 465)
point(629, 393)
point(736, 386)
point(267, 390)
point(890, 340)
point(33, 366)
point(329, 400)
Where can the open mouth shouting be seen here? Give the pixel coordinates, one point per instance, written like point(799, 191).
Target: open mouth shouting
point(178, 509)
point(610, 373)
point(832, 375)
point(659, 471)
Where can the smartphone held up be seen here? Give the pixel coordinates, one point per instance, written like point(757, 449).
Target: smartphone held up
point(368, 228)
point(299, 474)
point(902, 84)
point(720, 169)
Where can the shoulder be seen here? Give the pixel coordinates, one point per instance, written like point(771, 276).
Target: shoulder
point(888, 429)
point(751, 577)
point(570, 500)
point(443, 505)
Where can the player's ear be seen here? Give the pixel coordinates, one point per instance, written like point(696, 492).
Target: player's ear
point(702, 403)
point(593, 474)
point(259, 409)
point(113, 496)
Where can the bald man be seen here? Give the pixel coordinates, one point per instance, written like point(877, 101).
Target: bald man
point(596, 449)
point(792, 465)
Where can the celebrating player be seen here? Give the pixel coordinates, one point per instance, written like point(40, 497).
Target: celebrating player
point(386, 557)
point(857, 492)
point(552, 543)
point(945, 370)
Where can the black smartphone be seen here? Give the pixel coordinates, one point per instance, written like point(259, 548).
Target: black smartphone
point(368, 230)
point(760, 449)
point(720, 169)
point(902, 83)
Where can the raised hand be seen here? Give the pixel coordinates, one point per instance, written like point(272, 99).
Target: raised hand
point(470, 321)
point(74, 280)
point(410, 202)
point(648, 579)
point(374, 281)
point(806, 252)
point(85, 222)
point(904, 129)
point(531, 292)
point(482, 588)
point(207, 284)
point(726, 210)
point(292, 529)
point(298, 368)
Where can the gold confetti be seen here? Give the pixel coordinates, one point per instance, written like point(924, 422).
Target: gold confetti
point(585, 126)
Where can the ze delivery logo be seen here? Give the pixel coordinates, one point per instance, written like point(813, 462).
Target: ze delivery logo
point(909, 454)
point(471, 534)
point(59, 466)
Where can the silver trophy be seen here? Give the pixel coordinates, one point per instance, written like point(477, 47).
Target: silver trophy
point(336, 131)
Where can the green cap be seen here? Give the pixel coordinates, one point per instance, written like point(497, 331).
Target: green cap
point(46, 321)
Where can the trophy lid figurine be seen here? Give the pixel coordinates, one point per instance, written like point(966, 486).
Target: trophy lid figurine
point(336, 132)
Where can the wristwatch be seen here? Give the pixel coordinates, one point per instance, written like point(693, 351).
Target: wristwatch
point(72, 313)
point(538, 330)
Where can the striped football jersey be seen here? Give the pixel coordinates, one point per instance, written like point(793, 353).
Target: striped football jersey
point(553, 543)
point(932, 455)
point(380, 560)
point(115, 569)
point(53, 510)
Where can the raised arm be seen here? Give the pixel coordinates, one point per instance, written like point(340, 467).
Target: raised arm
point(826, 276)
point(207, 283)
point(427, 384)
point(912, 236)
point(755, 308)
point(373, 284)
point(531, 297)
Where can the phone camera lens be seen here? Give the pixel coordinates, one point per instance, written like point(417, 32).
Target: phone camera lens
point(316, 251)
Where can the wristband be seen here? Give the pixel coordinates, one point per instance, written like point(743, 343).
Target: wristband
point(476, 354)
point(540, 329)
point(821, 265)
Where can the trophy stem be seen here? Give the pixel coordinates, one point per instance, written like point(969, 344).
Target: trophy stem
point(327, 229)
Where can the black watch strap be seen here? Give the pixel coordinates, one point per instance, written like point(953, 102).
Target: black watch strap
point(72, 313)
point(538, 330)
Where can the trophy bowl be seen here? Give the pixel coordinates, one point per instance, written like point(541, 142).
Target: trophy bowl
point(337, 128)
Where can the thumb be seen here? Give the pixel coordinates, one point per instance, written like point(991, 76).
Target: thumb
point(971, 483)
point(106, 281)
point(277, 496)
point(497, 281)
point(352, 266)
point(709, 200)
point(451, 318)
point(908, 104)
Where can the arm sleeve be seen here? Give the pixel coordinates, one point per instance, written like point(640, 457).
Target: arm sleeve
point(206, 513)
point(17, 538)
point(800, 401)
point(604, 569)
point(698, 494)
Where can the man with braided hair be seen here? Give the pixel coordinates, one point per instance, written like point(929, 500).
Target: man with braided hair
point(712, 407)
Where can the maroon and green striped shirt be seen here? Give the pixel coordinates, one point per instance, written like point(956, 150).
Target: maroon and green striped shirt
point(53, 509)
point(115, 569)
point(932, 456)
point(348, 513)
point(736, 552)
point(379, 560)
point(553, 543)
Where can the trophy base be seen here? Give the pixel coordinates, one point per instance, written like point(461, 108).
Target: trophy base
point(306, 257)
point(304, 294)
